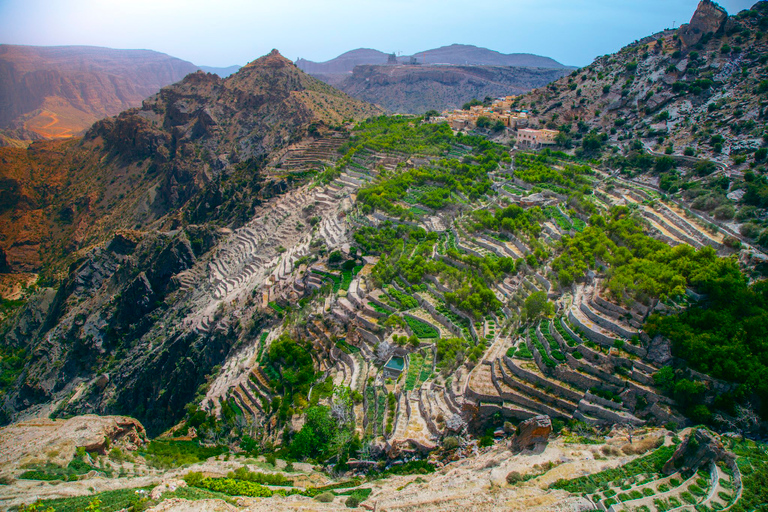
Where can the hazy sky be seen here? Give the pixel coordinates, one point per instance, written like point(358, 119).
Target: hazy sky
point(225, 32)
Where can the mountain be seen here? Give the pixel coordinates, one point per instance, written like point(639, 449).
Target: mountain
point(59, 91)
point(416, 89)
point(679, 91)
point(344, 63)
point(455, 54)
point(469, 55)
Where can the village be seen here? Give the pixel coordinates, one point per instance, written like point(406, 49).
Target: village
point(500, 110)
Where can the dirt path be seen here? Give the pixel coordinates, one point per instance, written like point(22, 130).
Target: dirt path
point(49, 130)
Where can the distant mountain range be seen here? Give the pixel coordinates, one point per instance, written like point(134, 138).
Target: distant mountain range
point(455, 54)
point(59, 91)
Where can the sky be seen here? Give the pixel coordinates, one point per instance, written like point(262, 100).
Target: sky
point(226, 32)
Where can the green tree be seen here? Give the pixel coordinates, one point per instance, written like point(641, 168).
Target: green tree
point(483, 122)
point(537, 305)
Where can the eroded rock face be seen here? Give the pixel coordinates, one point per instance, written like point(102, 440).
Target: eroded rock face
point(709, 17)
point(532, 434)
point(698, 450)
point(40, 441)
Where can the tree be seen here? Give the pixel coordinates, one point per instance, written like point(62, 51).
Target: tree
point(563, 140)
point(537, 305)
point(705, 168)
point(429, 114)
point(483, 122)
point(472, 103)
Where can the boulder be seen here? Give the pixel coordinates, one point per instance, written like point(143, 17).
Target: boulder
point(657, 101)
point(532, 434)
point(124, 241)
point(659, 350)
point(166, 486)
point(698, 450)
point(708, 18)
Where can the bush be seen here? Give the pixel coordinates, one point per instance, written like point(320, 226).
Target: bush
point(514, 477)
point(353, 501)
point(724, 212)
point(750, 230)
point(325, 497)
point(450, 443)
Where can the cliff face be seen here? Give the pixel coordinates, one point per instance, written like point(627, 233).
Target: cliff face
point(416, 89)
point(51, 92)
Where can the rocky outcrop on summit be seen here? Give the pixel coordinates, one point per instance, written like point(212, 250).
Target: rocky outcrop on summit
point(708, 18)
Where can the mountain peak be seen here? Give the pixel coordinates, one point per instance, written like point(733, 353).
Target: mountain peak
point(273, 60)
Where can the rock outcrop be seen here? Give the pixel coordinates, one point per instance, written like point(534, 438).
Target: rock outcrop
point(698, 450)
point(708, 18)
point(532, 434)
point(42, 441)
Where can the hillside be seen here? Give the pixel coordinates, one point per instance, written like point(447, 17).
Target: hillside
point(416, 89)
point(59, 91)
point(194, 153)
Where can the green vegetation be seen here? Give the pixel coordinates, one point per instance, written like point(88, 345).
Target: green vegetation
point(421, 329)
point(78, 466)
point(648, 464)
point(724, 335)
point(290, 361)
point(162, 453)
point(642, 268)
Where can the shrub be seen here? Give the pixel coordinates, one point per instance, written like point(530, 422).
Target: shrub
point(325, 497)
point(353, 501)
point(724, 212)
point(750, 230)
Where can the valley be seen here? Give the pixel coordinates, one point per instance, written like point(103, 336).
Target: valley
point(260, 293)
